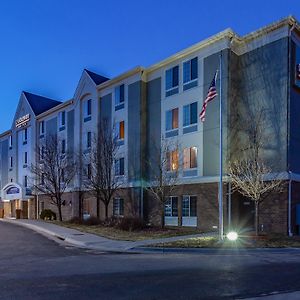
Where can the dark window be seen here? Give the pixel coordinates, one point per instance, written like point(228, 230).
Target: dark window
point(63, 146)
point(172, 77)
point(118, 207)
point(171, 207)
point(190, 70)
point(89, 140)
point(190, 112)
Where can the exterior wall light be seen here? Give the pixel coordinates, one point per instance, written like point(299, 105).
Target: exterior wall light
point(232, 236)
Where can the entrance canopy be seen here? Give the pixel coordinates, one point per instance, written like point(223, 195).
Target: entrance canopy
point(13, 191)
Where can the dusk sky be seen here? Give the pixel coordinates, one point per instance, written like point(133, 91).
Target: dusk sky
point(45, 44)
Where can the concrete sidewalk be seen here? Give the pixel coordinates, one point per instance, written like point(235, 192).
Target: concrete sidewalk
point(91, 241)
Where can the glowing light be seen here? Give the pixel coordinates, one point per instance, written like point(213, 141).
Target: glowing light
point(232, 235)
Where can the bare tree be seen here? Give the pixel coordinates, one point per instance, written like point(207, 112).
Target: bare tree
point(163, 169)
point(99, 176)
point(250, 174)
point(54, 170)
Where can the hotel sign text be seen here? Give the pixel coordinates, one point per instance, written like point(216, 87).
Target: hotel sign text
point(23, 121)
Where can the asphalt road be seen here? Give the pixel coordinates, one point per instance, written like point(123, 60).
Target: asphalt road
point(34, 267)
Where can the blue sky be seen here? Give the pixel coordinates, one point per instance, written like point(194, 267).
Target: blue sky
point(45, 44)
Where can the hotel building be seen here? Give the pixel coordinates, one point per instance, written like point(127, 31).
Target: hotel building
point(162, 103)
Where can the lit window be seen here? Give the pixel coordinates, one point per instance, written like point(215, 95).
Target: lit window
point(190, 113)
point(190, 70)
point(172, 160)
point(172, 119)
point(118, 207)
point(190, 158)
point(189, 206)
point(121, 130)
point(171, 207)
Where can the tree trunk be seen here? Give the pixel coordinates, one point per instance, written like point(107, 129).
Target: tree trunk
point(256, 217)
point(59, 211)
point(163, 217)
point(106, 211)
point(98, 206)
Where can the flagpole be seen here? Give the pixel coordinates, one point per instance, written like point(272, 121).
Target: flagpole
point(221, 229)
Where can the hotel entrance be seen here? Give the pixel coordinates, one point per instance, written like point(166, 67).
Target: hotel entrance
point(14, 202)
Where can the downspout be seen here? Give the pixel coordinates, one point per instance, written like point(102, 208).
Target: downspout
point(288, 133)
point(290, 205)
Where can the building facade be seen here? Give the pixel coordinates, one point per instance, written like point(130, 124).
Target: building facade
point(151, 106)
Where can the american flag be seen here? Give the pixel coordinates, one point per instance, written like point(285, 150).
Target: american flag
point(212, 93)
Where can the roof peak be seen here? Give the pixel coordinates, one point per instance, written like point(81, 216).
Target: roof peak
point(98, 79)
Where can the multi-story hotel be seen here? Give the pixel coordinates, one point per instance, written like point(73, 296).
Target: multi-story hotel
point(162, 102)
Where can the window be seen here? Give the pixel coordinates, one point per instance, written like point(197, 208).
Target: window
point(88, 110)
point(42, 152)
point(25, 181)
point(171, 207)
point(119, 97)
point(118, 207)
point(88, 140)
point(42, 178)
point(62, 175)
point(11, 162)
point(172, 160)
point(25, 158)
point(190, 113)
point(190, 71)
point(121, 130)
point(62, 120)
point(119, 167)
point(172, 81)
point(172, 119)
point(190, 158)
point(89, 171)
point(25, 136)
point(189, 206)
point(10, 142)
point(42, 128)
point(63, 146)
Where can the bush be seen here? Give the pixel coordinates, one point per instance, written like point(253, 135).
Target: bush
point(76, 220)
point(48, 214)
point(111, 222)
point(131, 224)
point(91, 221)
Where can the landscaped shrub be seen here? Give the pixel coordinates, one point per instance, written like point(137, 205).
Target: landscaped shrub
point(48, 214)
point(91, 221)
point(131, 224)
point(111, 222)
point(76, 220)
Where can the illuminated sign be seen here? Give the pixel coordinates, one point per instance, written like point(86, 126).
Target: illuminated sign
point(13, 190)
point(23, 121)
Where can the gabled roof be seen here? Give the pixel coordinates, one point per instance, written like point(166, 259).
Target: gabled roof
point(40, 104)
point(98, 79)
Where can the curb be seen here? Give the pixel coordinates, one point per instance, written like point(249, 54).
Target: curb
point(47, 232)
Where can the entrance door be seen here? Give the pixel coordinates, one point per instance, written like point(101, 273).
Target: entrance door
point(13, 208)
point(25, 210)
